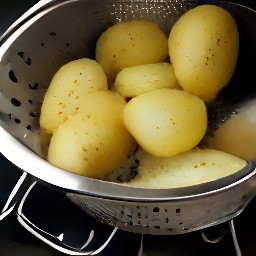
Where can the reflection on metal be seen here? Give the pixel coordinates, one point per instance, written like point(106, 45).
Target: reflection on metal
point(10, 203)
point(233, 233)
point(140, 253)
point(59, 245)
point(212, 241)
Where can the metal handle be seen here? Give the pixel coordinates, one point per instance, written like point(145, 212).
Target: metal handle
point(56, 241)
point(222, 235)
point(235, 240)
point(13, 198)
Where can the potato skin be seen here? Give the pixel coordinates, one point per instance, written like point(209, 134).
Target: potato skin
point(166, 122)
point(133, 81)
point(203, 47)
point(67, 90)
point(95, 142)
point(130, 43)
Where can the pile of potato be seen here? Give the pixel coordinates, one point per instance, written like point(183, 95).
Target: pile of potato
point(157, 103)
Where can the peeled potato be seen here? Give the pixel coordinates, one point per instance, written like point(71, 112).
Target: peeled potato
point(67, 90)
point(95, 142)
point(203, 47)
point(194, 167)
point(166, 122)
point(130, 43)
point(237, 135)
point(136, 80)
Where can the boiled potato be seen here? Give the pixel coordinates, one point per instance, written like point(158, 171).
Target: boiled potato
point(136, 80)
point(94, 142)
point(237, 135)
point(166, 122)
point(67, 90)
point(130, 43)
point(203, 47)
point(193, 167)
point(45, 139)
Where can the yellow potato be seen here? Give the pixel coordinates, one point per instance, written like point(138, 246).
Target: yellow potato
point(237, 135)
point(203, 47)
point(67, 90)
point(193, 167)
point(130, 43)
point(166, 122)
point(95, 142)
point(136, 80)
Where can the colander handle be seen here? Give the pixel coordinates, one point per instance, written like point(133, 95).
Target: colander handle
point(14, 196)
point(222, 235)
point(54, 241)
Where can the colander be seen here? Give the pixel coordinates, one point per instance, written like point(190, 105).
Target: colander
point(54, 32)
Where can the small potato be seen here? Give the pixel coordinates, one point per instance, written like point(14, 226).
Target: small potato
point(130, 43)
point(67, 90)
point(166, 122)
point(203, 47)
point(136, 80)
point(193, 167)
point(95, 142)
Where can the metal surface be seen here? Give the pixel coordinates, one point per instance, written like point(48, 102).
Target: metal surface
point(59, 31)
point(176, 216)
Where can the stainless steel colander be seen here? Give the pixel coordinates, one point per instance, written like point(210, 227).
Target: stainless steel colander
point(55, 32)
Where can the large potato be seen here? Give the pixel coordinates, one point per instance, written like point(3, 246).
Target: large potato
point(130, 43)
point(166, 122)
point(94, 142)
point(136, 80)
point(193, 167)
point(203, 47)
point(67, 90)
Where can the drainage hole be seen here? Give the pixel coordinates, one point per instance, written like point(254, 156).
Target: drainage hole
point(17, 120)
point(15, 102)
point(12, 76)
point(33, 86)
point(25, 58)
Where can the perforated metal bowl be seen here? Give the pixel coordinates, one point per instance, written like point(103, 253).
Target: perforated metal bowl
point(55, 32)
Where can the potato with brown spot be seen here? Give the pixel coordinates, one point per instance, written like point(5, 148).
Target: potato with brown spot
point(71, 83)
point(93, 142)
point(166, 122)
point(130, 43)
point(196, 166)
point(137, 80)
point(203, 47)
